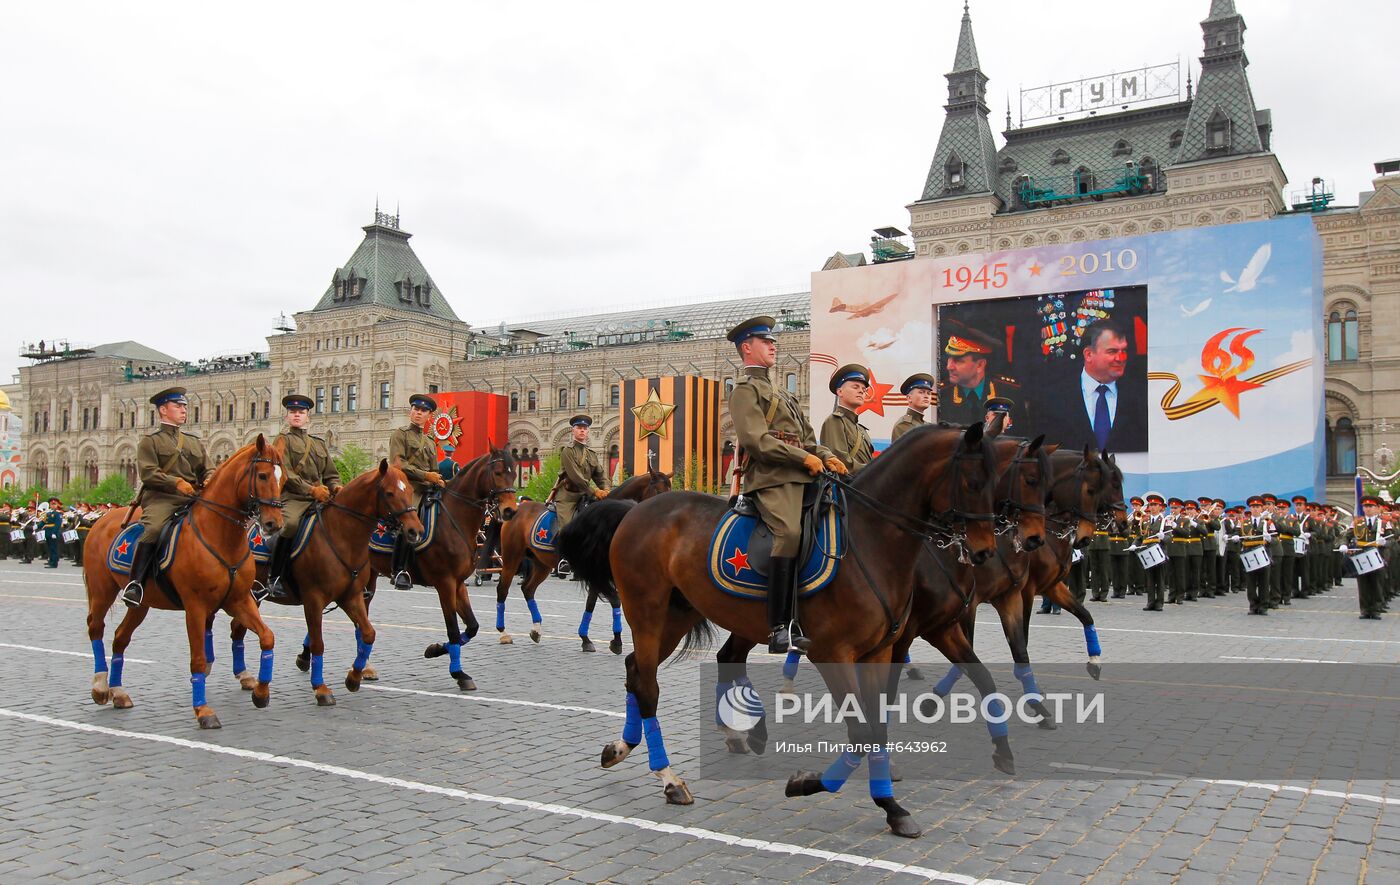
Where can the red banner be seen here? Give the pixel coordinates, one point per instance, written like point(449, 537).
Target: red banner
point(467, 420)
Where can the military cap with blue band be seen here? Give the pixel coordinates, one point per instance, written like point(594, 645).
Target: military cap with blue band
point(921, 380)
point(999, 404)
point(755, 327)
point(849, 372)
point(170, 395)
point(580, 421)
point(423, 401)
point(296, 401)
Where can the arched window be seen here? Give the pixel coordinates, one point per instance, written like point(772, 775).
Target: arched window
point(514, 402)
point(728, 386)
point(1341, 448)
point(1122, 149)
point(955, 171)
point(530, 401)
point(582, 397)
point(1175, 141)
point(563, 397)
point(1151, 172)
point(615, 395)
point(1342, 334)
point(792, 383)
point(1218, 131)
point(1083, 180)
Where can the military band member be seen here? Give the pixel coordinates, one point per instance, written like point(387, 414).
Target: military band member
point(171, 464)
point(842, 432)
point(1119, 538)
point(918, 389)
point(1208, 520)
point(1255, 530)
point(6, 526)
point(1097, 557)
point(22, 518)
point(1180, 531)
point(780, 456)
point(1151, 529)
point(53, 531)
point(1281, 590)
point(962, 398)
point(1234, 573)
point(415, 453)
point(311, 477)
point(1190, 512)
point(1369, 532)
point(1137, 514)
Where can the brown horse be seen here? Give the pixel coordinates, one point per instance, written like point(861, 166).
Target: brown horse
point(519, 557)
point(932, 483)
point(333, 567)
point(211, 569)
point(449, 559)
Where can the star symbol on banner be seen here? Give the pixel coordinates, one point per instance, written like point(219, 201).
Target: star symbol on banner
point(739, 561)
point(1035, 270)
point(875, 397)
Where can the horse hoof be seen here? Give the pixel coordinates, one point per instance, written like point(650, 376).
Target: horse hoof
point(1094, 669)
point(789, 687)
point(304, 661)
point(101, 698)
point(615, 752)
point(588, 645)
point(247, 681)
point(209, 721)
point(209, 668)
point(615, 646)
point(904, 825)
point(369, 674)
point(758, 744)
point(464, 682)
point(120, 699)
point(679, 794)
point(351, 682)
point(262, 696)
point(436, 650)
point(737, 746)
point(325, 699)
point(804, 783)
point(914, 675)
point(1004, 764)
point(506, 640)
point(535, 634)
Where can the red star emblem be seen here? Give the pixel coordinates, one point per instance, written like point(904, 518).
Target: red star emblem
point(122, 548)
point(739, 561)
point(874, 397)
point(542, 534)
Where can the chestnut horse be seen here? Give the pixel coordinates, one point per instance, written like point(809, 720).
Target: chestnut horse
point(533, 566)
point(333, 567)
point(932, 484)
point(449, 559)
point(211, 569)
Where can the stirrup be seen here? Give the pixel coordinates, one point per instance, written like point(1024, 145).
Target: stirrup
point(133, 594)
point(778, 640)
point(798, 640)
point(402, 581)
point(261, 591)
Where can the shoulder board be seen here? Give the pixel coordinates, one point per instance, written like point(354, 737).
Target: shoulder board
point(154, 433)
point(190, 435)
point(1005, 380)
point(318, 439)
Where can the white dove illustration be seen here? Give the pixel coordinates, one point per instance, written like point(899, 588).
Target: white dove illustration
point(1249, 277)
point(1189, 312)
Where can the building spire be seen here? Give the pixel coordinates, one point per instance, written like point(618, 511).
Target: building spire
point(966, 155)
point(1221, 9)
point(966, 57)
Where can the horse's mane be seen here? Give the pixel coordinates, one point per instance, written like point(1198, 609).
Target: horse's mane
point(237, 453)
point(905, 444)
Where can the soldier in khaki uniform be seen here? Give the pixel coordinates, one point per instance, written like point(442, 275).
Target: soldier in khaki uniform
point(171, 464)
point(579, 468)
point(780, 455)
point(841, 432)
point(918, 389)
point(416, 455)
point(310, 477)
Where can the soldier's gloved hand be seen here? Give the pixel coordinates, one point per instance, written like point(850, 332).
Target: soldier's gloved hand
point(835, 465)
point(184, 488)
point(335, 490)
point(600, 494)
point(813, 464)
point(436, 479)
point(320, 493)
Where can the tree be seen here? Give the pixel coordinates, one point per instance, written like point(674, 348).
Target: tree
point(113, 489)
point(351, 462)
point(542, 483)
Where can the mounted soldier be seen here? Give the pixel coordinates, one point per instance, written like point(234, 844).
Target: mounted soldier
point(780, 455)
point(311, 478)
point(918, 389)
point(171, 464)
point(842, 432)
point(413, 452)
point(580, 473)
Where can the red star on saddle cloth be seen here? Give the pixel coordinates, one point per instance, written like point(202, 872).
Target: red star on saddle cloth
point(739, 561)
point(122, 548)
point(542, 534)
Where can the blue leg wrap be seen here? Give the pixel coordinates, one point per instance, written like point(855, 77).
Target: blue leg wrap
point(209, 646)
point(115, 680)
point(99, 656)
point(946, 684)
point(362, 652)
point(720, 689)
point(239, 662)
point(840, 770)
point(907, 658)
point(617, 620)
point(1091, 639)
point(318, 670)
point(306, 643)
point(880, 785)
point(997, 729)
point(584, 623)
point(794, 657)
point(265, 666)
point(632, 725)
point(454, 654)
point(656, 746)
point(500, 616)
point(1028, 686)
point(534, 611)
point(197, 689)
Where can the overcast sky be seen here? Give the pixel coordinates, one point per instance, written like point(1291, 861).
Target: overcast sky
point(180, 173)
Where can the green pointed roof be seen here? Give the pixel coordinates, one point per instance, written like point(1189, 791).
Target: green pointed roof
point(385, 272)
point(1221, 9)
point(966, 57)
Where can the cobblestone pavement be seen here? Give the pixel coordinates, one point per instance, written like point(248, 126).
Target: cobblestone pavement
point(410, 778)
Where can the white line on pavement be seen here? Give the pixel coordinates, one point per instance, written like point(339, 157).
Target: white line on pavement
point(1252, 785)
point(854, 860)
point(485, 700)
point(1103, 629)
point(55, 651)
point(1286, 660)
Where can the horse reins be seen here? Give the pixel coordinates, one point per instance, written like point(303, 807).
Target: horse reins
point(247, 512)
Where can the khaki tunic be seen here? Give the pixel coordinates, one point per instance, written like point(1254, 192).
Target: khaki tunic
point(307, 464)
point(847, 439)
point(580, 466)
point(416, 455)
point(773, 472)
point(907, 422)
point(162, 458)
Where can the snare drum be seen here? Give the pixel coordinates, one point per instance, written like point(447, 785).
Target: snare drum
point(1367, 561)
point(17, 536)
point(1254, 560)
point(70, 536)
point(1152, 556)
point(1300, 546)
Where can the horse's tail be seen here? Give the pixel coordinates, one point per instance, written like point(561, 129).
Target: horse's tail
point(699, 638)
point(585, 542)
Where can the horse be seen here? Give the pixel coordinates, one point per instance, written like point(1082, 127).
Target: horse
point(519, 557)
point(655, 553)
point(445, 564)
point(211, 569)
point(333, 567)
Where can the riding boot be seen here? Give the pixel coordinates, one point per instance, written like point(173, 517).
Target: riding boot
point(781, 594)
point(402, 562)
point(277, 589)
point(140, 564)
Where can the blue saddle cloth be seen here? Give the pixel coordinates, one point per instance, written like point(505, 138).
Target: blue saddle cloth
point(543, 536)
point(122, 551)
point(262, 550)
point(257, 544)
point(730, 549)
point(381, 540)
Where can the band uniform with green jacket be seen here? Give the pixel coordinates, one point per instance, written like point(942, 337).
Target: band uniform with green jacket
point(581, 473)
point(780, 456)
point(53, 531)
point(842, 432)
point(311, 477)
point(415, 453)
point(171, 464)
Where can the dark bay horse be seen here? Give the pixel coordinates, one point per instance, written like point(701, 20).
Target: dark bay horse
point(533, 565)
point(211, 569)
point(445, 564)
point(333, 567)
point(655, 553)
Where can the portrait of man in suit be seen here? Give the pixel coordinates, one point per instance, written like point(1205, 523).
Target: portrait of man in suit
point(1108, 407)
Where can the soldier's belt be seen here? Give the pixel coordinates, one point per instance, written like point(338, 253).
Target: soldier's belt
point(1251, 544)
point(1190, 540)
point(1116, 538)
point(1287, 537)
point(1100, 533)
point(791, 439)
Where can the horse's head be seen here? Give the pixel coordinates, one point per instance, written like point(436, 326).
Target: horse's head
point(500, 481)
point(968, 493)
point(1111, 503)
point(1022, 490)
point(265, 478)
point(657, 482)
point(1076, 492)
point(396, 500)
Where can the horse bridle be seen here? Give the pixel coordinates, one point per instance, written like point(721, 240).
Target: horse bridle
point(492, 494)
point(1068, 517)
point(1010, 509)
point(247, 512)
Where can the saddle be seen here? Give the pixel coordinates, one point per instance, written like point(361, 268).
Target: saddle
point(383, 538)
point(263, 552)
point(122, 551)
point(742, 546)
point(544, 531)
